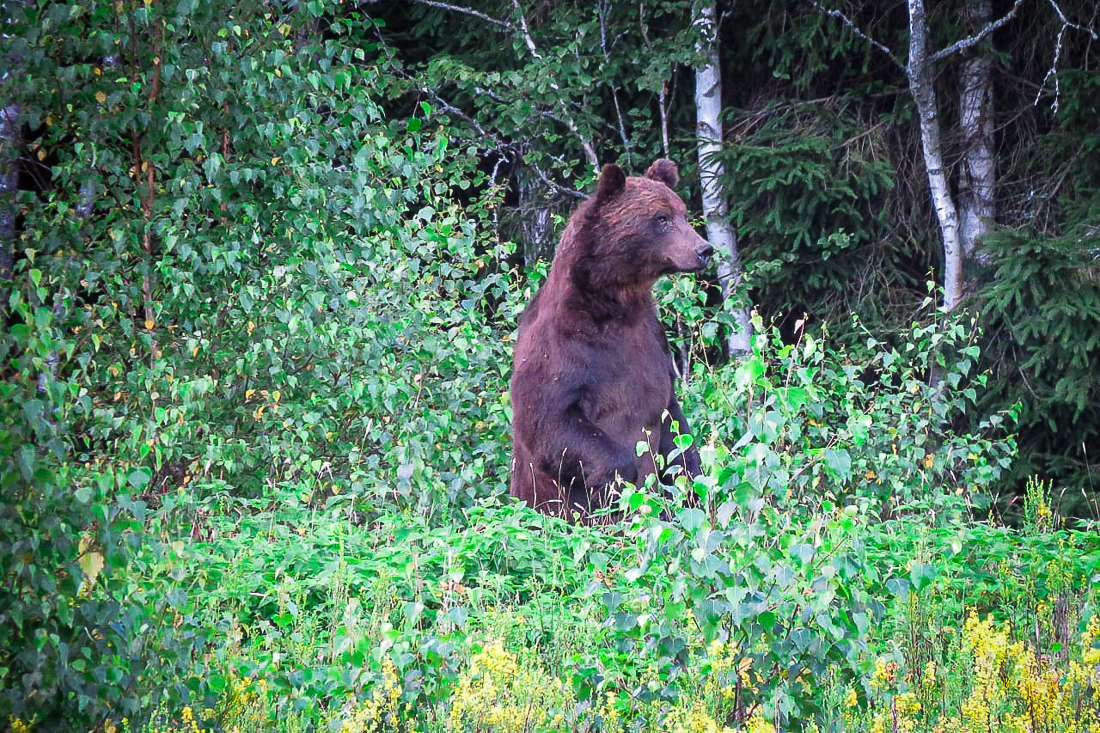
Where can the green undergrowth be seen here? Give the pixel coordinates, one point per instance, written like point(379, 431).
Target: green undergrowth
point(507, 620)
point(840, 570)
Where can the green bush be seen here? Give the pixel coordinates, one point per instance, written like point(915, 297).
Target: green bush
point(241, 279)
point(773, 572)
point(809, 428)
point(81, 638)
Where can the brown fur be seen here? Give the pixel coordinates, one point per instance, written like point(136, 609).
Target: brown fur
point(593, 374)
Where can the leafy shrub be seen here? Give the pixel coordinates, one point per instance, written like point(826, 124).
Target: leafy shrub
point(808, 428)
point(785, 602)
point(81, 639)
point(198, 302)
point(772, 571)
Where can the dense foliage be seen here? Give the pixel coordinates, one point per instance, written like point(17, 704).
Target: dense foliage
point(824, 175)
point(265, 262)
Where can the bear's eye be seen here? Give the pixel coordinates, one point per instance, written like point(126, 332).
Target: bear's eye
point(662, 220)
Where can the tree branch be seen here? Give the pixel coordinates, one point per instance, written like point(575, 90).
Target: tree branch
point(603, 10)
point(855, 29)
point(499, 145)
point(586, 144)
point(1058, 54)
point(467, 11)
point(977, 38)
point(568, 121)
point(662, 95)
point(526, 33)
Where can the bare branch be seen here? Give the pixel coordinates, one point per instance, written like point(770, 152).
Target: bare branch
point(567, 119)
point(978, 37)
point(855, 29)
point(603, 10)
point(662, 97)
point(467, 11)
point(1058, 54)
point(526, 33)
point(496, 143)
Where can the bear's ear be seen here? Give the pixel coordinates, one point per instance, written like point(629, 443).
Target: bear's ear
point(665, 171)
point(612, 180)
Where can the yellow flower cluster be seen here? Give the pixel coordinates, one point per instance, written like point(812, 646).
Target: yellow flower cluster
point(885, 676)
point(186, 724)
point(19, 725)
point(695, 719)
point(382, 710)
point(759, 724)
point(498, 693)
point(1090, 653)
point(244, 707)
point(724, 667)
point(1017, 690)
point(1012, 689)
point(240, 710)
point(608, 713)
point(902, 710)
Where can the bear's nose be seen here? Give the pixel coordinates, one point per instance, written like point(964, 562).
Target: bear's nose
point(704, 251)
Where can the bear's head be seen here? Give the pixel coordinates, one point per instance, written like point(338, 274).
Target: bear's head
point(637, 230)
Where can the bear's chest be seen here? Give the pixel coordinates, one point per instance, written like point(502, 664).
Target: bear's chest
point(629, 384)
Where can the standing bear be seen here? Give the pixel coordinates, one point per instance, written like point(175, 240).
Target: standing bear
point(593, 373)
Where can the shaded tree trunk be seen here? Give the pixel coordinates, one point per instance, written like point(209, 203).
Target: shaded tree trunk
point(978, 177)
point(9, 184)
point(535, 219)
point(708, 132)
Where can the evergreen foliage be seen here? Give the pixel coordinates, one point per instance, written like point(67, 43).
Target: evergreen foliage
point(1043, 307)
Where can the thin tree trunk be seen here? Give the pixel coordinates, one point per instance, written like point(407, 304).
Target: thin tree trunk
point(979, 174)
point(919, 71)
point(708, 131)
point(536, 220)
point(9, 184)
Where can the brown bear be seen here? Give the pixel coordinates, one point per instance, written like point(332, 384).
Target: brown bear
point(593, 372)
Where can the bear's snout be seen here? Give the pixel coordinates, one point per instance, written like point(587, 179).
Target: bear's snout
point(704, 252)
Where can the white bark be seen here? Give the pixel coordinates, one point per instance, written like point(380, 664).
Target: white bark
point(9, 180)
point(708, 108)
point(919, 71)
point(536, 220)
point(979, 174)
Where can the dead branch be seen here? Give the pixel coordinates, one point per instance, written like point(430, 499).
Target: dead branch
point(855, 29)
point(1066, 24)
point(466, 11)
point(978, 37)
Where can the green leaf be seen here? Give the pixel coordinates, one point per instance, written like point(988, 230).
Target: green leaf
point(139, 478)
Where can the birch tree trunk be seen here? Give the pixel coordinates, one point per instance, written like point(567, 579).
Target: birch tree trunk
point(9, 183)
point(919, 71)
point(535, 218)
point(708, 132)
point(979, 174)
